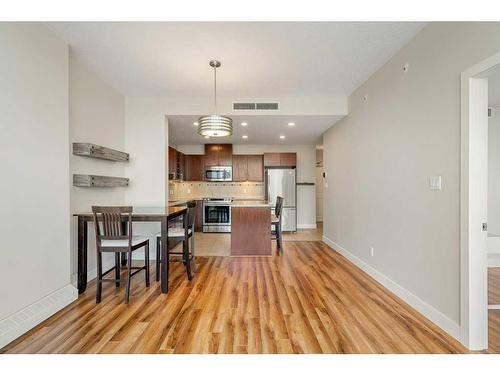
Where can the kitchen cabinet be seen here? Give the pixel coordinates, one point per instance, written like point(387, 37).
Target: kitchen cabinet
point(218, 155)
point(194, 167)
point(240, 168)
point(172, 160)
point(288, 159)
point(226, 155)
point(181, 166)
point(281, 159)
point(255, 168)
point(176, 164)
point(248, 168)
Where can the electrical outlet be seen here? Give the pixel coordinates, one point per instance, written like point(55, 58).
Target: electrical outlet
point(372, 251)
point(189, 191)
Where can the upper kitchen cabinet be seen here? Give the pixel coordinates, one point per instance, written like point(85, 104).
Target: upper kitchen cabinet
point(218, 155)
point(176, 164)
point(282, 159)
point(248, 168)
point(288, 159)
point(194, 167)
point(272, 159)
point(255, 168)
point(172, 160)
point(181, 165)
point(240, 168)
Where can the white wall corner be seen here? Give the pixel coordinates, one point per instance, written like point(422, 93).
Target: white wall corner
point(23, 320)
point(434, 315)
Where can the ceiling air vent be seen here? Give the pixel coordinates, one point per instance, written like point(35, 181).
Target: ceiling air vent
point(267, 106)
point(255, 106)
point(244, 106)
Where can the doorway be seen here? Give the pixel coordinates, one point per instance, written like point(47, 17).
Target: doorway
point(477, 232)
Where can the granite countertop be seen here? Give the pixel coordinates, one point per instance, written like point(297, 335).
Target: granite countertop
point(250, 203)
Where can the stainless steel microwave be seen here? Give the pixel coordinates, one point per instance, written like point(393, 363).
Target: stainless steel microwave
point(218, 173)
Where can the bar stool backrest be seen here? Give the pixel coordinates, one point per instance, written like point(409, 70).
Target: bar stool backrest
point(279, 206)
point(190, 215)
point(111, 218)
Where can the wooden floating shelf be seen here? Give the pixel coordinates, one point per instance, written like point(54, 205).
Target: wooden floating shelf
point(89, 180)
point(100, 152)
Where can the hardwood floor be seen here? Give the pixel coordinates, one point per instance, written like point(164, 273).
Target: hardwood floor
point(494, 315)
point(307, 300)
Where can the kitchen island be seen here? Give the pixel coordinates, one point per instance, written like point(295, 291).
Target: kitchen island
point(250, 228)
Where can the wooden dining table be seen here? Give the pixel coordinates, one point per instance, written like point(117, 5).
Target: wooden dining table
point(140, 214)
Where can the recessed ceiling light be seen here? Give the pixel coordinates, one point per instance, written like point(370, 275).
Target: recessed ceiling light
point(291, 124)
point(207, 137)
point(282, 137)
point(195, 123)
point(244, 136)
point(244, 124)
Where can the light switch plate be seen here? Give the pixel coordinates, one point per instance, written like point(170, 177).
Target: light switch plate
point(435, 182)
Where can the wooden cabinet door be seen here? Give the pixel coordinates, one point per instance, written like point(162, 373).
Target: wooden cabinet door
point(240, 168)
point(181, 165)
point(218, 155)
point(225, 155)
point(211, 155)
point(272, 159)
point(255, 168)
point(194, 168)
point(198, 220)
point(172, 160)
point(288, 159)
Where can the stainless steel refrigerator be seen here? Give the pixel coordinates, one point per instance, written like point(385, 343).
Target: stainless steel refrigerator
point(282, 182)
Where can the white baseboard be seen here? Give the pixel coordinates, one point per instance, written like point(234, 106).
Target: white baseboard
point(22, 321)
point(307, 226)
point(434, 315)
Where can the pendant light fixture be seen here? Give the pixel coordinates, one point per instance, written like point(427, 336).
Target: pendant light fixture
point(215, 125)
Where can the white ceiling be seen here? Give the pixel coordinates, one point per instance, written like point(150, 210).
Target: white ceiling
point(258, 59)
point(263, 130)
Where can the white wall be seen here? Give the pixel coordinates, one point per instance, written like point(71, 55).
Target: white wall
point(34, 149)
point(96, 115)
point(380, 157)
point(146, 139)
point(306, 172)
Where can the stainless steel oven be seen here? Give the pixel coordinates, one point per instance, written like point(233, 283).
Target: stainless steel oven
point(218, 173)
point(217, 215)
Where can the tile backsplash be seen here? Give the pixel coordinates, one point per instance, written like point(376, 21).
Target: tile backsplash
point(199, 189)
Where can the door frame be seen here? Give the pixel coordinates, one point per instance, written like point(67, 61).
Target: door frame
point(473, 267)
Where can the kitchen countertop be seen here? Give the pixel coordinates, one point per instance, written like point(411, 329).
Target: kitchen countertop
point(250, 203)
point(178, 202)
